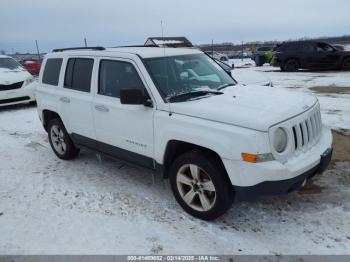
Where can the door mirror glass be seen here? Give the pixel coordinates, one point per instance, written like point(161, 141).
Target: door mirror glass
point(131, 96)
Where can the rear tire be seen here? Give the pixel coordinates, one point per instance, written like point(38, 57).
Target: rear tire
point(346, 64)
point(291, 65)
point(61, 144)
point(200, 185)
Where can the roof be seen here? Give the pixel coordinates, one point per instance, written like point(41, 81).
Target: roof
point(168, 41)
point(144, 52)
point(304, 41)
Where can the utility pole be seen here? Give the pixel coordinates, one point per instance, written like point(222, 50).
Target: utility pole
point(242, 50)
point(161, 27)
point(85, 42)
point(212, 47)
point(37, 49)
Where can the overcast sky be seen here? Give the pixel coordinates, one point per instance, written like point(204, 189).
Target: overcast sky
point(64, 23)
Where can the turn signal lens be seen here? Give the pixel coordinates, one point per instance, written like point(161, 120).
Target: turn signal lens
point(249, 157)
point(256, 158)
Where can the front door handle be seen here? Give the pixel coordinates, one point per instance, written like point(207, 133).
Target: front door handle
point(65, 100)
point(101, 108)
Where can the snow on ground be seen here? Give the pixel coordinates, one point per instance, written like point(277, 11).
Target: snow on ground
point(92, 206)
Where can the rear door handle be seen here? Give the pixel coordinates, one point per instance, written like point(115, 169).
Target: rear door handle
point(65, 100)
point(101, 108)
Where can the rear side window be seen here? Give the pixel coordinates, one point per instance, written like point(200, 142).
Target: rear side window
point(307, 47)
point(78, 74)
point(116, 75)
point(52, 71)
point(292, 47)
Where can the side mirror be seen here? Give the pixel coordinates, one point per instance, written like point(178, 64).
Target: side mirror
point(134, 96)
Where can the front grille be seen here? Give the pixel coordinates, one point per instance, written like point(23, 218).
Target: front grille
point(12, 100)
point(11, 87)
point(307, 131)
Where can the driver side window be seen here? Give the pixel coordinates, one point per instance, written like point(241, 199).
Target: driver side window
point(322, 47)
point(116, 75)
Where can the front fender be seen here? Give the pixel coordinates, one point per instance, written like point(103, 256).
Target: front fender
point(226, 140)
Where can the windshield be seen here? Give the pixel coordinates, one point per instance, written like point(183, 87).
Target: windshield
point(9, 63)
point(176, 75)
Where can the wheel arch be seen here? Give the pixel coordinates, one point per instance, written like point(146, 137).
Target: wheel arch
point(342, 64)
point(47, 116)
point(292, 58)
point(345, 58)
point(175, 148)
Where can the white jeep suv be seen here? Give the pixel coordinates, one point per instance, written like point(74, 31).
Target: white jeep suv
point(177, 111)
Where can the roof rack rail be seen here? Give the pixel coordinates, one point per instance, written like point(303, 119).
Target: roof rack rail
point(101, 48)
point(135, 46)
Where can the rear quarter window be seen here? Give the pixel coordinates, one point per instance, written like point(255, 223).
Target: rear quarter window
point(52, 71)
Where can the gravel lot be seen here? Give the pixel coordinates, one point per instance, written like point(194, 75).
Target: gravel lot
point(101, 206)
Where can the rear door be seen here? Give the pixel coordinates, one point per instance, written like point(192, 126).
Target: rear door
point(123, 131)
point(76, 98)
point(308, 55)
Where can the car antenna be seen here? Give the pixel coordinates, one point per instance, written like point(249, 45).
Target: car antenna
point(161, 26)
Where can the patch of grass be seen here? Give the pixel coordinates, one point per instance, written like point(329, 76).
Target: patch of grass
point(331, 89)
point(341, 146)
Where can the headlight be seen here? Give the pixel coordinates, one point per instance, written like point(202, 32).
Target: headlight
point(28, 81)
point(280, 140)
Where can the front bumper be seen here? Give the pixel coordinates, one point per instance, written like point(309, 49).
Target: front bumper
point(17, 96)
point(283, 186)
point(248, 175)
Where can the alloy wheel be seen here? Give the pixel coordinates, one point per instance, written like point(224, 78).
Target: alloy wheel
point(196, 187)
point(58, 139)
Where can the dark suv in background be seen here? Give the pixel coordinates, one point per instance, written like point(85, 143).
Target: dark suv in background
point(291, 56)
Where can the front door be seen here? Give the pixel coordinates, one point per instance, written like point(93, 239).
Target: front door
point(327, 57)
point(122, 131)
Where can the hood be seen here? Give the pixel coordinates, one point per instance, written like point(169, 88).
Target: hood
point(255, 107)
point(11, 76)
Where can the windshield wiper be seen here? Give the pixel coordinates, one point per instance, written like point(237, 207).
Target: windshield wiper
point(188, 95)
point(224, 86)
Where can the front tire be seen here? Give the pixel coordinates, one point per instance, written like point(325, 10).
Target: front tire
point(60, 142)
point(200, 185)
